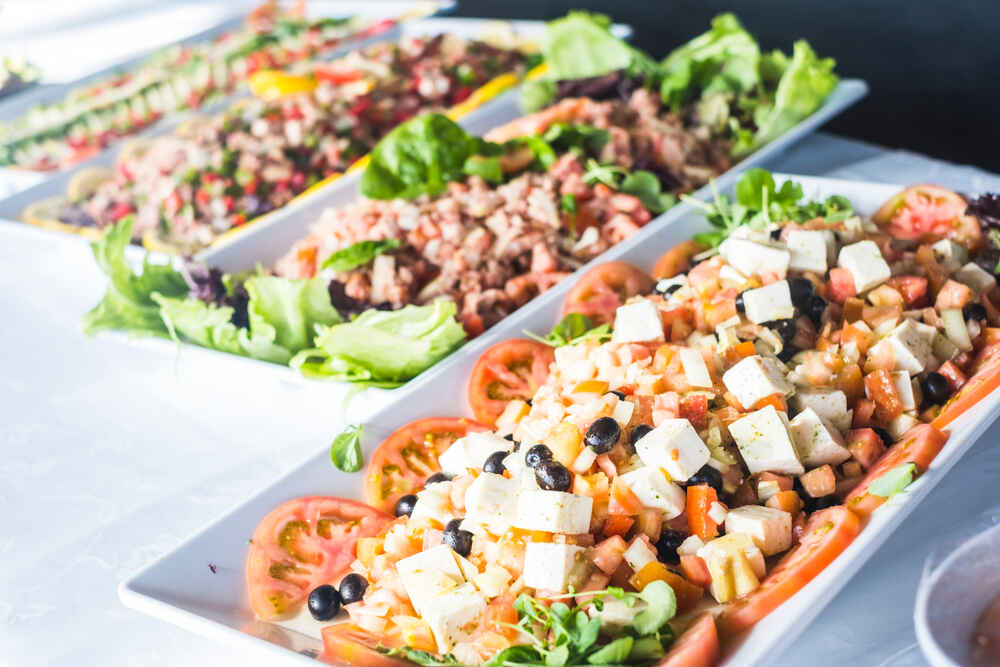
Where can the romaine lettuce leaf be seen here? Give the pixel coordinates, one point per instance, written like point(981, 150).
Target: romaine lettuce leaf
point(385, 348)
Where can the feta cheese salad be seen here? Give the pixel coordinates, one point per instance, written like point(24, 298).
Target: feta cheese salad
point(684, 451)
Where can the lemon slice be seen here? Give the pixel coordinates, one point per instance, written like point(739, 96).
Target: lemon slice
point(85, 182)
point(272, 84)
point(44, 213)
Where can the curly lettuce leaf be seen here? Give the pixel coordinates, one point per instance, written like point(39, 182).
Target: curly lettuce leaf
point(384, 348)
point(128, 304)
point(197, 322)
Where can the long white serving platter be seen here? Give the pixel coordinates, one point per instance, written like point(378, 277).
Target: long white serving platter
point(180, 587)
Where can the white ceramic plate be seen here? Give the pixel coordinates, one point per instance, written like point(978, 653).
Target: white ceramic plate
point(182, 589)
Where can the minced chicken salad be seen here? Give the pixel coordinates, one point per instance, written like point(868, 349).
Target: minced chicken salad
point(679, 456)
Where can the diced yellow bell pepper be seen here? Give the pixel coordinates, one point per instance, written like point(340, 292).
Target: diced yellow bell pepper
point(565, 441)
point(272, 84)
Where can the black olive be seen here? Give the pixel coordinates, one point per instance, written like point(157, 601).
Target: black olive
point(776, 234)
point(620, 395)
point(784, 328)
point(517, 445)
point(974, 311)
point(740, 308)
point(509, 436)
point(883, 435)
point(811, 504)
point(494, 463)
point(553, 476)
point(352, 588)
point(459, 540)
point(815, 309)
point(437, 477)
point(801, 290)
point(638, 432)
point(324, 602)
point(707, 475)
point(787, 352)
point(666, 546)
point(666, 290)
point(534, 456)
point(602, 435)
point(935, 388)
point(405, 505)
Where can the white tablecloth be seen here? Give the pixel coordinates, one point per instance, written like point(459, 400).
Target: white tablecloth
point(111, 454)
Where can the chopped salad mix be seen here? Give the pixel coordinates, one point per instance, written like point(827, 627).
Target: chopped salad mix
point(681, 454)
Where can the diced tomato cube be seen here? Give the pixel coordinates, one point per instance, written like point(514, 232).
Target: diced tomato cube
point(913, 288)
point(953, 294)
point(882, 390)
point(784, 482)
point(955, 377)
point(841, 285)
point(865, 446)
point(623, 501)
point(695, 570)
point(787, 501)
point(617, 524)
point(694, 408)
point(609, 553)
point(819, 482)
point(863, 411)
point(121, 210)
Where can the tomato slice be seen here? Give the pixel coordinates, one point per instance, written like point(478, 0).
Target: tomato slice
point(919, 445)
point(508, 370)
point(605, 287)
point(304, 543)
point(409, 456)
point(827, 534)
point(985, 378)
point(348, 645)
point(930, 212)
point(697, 647)
point(677, 259)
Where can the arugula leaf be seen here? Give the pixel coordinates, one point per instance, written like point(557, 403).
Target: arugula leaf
point(893, 481)
point(358, 254)
point(345, 451)
point(573, 328)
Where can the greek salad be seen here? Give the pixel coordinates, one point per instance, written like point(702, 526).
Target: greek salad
point(684, 451)
point(60, 134)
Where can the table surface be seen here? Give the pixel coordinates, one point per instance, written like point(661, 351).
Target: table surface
point(112, 454)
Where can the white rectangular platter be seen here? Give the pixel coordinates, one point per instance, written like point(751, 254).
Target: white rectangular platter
point(181, 589)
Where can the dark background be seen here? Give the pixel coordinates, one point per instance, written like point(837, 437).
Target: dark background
point(933, 66)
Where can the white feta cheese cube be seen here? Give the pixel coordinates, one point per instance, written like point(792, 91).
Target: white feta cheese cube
point(910, 345)
point(434, 502)
point(430, 573)
point(769, 528)
point(754, 378)
point(622, 412)
point(695, 369)
point(639, 554)
point(817, 441)
point(750, 258)
point(950, 255)
point(864, 261)
point(735, 564)
point(810, 249)
point(491, 502)
point(771, 302)
point(765, 444)
point(830, 404)
point(554, 512)
point(904, 387)
point(637, 322)
point(674, 446)
point(554, 567)
point(652, 488)
point(454, 615)
point(470, 452)
point(900, 425)
point(975, 277)
point(728, 274)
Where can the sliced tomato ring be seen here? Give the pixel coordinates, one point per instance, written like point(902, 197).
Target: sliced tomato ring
point(698, 646)
point(677, 260)
point(919, 445)
point(409, 456)
point(347, 645)
point(507, 371)
point(985, 378)
point(605, 287)
point(930, 212)
point(304, 543)
point(825, 537)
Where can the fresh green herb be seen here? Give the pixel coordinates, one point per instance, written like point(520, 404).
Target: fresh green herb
point(419, 657)
point(345, 451)
point(359, 254)
point(893, 481)
point(567, 203)
point(573, 328)
point(642, 184)
point(581, 139)
point(487, 168)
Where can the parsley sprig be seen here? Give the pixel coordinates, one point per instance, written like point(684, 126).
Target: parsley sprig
point(574, 328)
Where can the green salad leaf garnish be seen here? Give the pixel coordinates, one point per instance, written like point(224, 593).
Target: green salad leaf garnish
point(345, 451)
point(573, 328)
point(893, 481)
point(358, 254)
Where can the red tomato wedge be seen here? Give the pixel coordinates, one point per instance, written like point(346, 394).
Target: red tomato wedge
point(508, 370)
point(826, 535)
point(677, 259)
point(697, 647)
point(930, 212)
point(302, 544)
point(347, 645)
point(985, 378)
point(409, 456)
point(919, 445)
point(605, 287)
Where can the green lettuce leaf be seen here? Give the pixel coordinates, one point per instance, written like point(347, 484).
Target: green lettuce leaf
point(284, 315)
point(384, 348)
point(200, 323)
point(128, 304)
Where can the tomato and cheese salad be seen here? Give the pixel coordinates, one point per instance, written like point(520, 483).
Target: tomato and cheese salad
point(58, 135)
point(685, 450)
point(188, 188)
